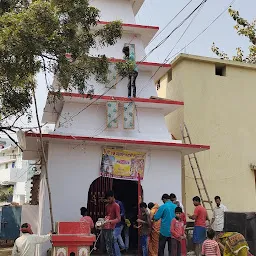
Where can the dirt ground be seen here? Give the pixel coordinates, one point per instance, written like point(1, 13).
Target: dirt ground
point(6, 251)
point(6, 247)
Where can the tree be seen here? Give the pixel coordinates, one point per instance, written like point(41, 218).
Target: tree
point(244, 28)
point(54, 37)
point(6, 192)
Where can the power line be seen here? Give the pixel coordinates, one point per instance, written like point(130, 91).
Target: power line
point(166, 59)
point(199, 9)
point(192, 41)
point(162, 30)
point(190, 23)
point(181, 23)
point(162, 42)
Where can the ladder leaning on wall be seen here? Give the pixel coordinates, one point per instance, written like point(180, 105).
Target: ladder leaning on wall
point(203, 193)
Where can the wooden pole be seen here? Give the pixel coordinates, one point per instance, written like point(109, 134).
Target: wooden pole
point(45, 163)
point(139, 213)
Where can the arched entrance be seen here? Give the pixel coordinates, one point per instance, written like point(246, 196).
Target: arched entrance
point(126, 191)
point(96, 197)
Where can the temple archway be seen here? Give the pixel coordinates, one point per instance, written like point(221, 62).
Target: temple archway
point(125, 191)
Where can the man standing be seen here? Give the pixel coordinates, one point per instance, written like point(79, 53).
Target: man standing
point(218, 215)
point(129, 56)
point(25, 245)
point(145, 225)
point(166, 213)
point(111, 219)
point(200, 216)
point(174, 199)
point(118, 230)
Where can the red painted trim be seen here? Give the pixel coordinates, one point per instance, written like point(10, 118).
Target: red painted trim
point(131, 25)
point(154, 64)
point(109, 98)
point(110, 140)
point(79, 239)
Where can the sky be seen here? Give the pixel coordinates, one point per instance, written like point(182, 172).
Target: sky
point(221, 32)
point(160, 12)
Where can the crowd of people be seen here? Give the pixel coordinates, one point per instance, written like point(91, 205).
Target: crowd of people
point(157, 226)
point(161, 225)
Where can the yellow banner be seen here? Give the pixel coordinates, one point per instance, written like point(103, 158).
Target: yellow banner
point(122, 163)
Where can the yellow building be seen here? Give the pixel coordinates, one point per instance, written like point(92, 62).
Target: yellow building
point(219, 110)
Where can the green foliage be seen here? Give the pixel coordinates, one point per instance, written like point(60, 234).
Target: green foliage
point(5, 193)
point(36, 35)
point(125, 68)
point(243, 28)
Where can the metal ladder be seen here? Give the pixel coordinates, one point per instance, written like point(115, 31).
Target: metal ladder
point(196, 171)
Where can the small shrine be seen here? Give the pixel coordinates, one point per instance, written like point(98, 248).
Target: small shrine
point(72, 238)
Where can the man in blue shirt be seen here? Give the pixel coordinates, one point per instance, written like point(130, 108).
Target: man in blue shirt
point(166, 213)
point(118, 240)
point(128, 55)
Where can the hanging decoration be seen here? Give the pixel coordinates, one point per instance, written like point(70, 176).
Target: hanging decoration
point(112, 77)
point(112, 114)
point(129, 113)
point(123, 164)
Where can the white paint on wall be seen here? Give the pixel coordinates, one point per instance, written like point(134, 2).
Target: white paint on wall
point(149, 123)
point(73, 169)
point(145, 86)
point(122, 10)
point(161, 175)
point(116, 51)
point(29, 214)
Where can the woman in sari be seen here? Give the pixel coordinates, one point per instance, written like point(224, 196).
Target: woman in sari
point(232, 244)
point(155, 231)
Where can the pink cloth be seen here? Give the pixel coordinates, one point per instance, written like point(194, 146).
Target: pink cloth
point(177, 229)
point(89, 220)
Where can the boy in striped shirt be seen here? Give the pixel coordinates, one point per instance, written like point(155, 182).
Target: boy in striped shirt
point(210, 247)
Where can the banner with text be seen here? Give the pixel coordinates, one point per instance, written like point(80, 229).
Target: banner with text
point(123, 164)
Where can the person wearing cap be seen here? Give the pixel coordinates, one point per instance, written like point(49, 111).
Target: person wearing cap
point(25, 245)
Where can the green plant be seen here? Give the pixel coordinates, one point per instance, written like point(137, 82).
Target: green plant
point(5, 193)
point(54, 37)
point(246, 29)
point(125, 68)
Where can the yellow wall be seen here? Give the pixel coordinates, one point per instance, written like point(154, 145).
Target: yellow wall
point(219, 111)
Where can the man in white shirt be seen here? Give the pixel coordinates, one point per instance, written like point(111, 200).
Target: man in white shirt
point(25, 245)
point(217, 222)
point(176, 201)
